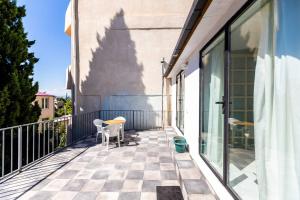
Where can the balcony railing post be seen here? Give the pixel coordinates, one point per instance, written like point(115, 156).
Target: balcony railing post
point(133, 120)
point(66, 128)
point(19, 148)
point(27, 143)
point(11, 148)
point(44, 138)
point(53, 137)
point(3, 151)
point(33, 143)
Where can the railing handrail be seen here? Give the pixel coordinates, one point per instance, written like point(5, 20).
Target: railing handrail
point(32, 123)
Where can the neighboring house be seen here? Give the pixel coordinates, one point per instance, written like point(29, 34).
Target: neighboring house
point(235, 95)
point(116, 49)
point(46, 103)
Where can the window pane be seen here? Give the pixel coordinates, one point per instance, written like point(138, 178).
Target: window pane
point(246, 34)
point(177, 99)
point(211, 110)
point(180, 101)
point(43, 103)
point(47, 102)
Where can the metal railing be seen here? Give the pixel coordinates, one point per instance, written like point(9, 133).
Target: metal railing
point(137, 119)
point(25, 144)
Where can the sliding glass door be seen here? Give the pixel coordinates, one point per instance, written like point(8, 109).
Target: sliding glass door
point(212, 126)
point(250, 36)
point(236, 135)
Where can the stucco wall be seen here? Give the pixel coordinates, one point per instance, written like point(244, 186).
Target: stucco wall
point(121, 43)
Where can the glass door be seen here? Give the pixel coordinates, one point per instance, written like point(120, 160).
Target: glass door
point(250, 41)
point(212, 95)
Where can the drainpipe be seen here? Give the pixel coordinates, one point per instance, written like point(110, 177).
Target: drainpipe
point(162, 92)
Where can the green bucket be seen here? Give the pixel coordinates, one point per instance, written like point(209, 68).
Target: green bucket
point(180, 144)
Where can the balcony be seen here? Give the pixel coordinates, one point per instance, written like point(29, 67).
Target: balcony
point(60, 159)
point(68, 19)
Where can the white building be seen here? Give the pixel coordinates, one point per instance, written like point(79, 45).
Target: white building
point(235, 95)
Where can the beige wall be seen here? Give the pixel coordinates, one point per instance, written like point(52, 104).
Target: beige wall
point(46, 112)
point(121, 43)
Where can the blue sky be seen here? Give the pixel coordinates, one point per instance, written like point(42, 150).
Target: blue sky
point(45, 24)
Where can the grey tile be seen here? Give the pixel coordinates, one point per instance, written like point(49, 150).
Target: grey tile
point(152, 147)
point(165, 159)
point(101, 174)
point(135, 174)
point(152, 154)
point(139, 158)
point(85, 196)
point(74, 185)
point(103, 153)
point(41, 184)
point(94, 164)
point(164, 149)
point(129, 196)
point(67, 174)
point(196, 186)
point(185, 164)
point(141, 149)
point(128, 153)
point(112, 186)
point(43, 195)
point(162, 142)
point(152, 166)
point(122, 166)
point(85, 159)
point(150, 185)
point(168, 175)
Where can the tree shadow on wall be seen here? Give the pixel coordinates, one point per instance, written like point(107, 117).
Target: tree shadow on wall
point(114, 70)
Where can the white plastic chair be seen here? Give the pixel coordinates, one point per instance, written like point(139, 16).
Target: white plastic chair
point(112, 130)
point(98, 123)
point(122, 125)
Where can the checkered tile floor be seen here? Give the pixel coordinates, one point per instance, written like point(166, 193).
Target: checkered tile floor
point(131, 172)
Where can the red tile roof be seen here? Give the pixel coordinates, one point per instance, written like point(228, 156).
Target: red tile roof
point(43, 94)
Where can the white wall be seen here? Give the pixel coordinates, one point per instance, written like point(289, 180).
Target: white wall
point(191, 121)
point(216, 16)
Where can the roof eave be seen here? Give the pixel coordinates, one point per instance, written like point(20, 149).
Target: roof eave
point(196, 13)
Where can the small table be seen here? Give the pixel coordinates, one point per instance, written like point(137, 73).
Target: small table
point(244, 123)
point(116, 121)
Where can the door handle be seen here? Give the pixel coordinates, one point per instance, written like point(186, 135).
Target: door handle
point(223, 104)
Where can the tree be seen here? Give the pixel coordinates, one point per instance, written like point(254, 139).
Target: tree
point(17, 89)
point(64, 107)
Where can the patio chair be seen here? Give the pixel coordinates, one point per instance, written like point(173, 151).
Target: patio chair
point(121, 126)
point(112, 130)
point(98, 124)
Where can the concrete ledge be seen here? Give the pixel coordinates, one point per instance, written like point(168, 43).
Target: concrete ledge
point(193, 184)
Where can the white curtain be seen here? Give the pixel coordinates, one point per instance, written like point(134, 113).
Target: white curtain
point(277, 102)
point(215, 117)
